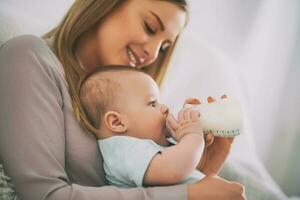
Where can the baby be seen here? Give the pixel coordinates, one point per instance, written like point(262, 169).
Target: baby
point(133, 127)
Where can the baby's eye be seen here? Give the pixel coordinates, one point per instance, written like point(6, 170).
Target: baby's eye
point(152, 103)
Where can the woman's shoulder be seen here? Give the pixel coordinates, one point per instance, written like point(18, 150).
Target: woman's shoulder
point(30, 61)
point(29, 51)
point(25, 42)
point(26, 45)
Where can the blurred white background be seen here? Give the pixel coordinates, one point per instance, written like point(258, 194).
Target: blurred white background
point(259, 42)
point(246, 49)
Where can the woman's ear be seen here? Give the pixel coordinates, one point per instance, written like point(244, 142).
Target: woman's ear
point(114, 122)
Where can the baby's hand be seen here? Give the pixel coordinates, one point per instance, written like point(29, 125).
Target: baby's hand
point(188, 123)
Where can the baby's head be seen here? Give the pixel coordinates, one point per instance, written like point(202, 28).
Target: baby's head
point(121, 100)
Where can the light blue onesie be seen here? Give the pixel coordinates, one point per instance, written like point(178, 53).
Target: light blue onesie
point(126, 160)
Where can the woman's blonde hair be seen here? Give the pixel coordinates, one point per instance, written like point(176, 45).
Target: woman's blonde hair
point(82, 17)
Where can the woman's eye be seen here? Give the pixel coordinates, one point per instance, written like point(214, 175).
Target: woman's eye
point(148, 28)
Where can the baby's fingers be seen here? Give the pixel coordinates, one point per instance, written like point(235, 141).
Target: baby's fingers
point(195, 115)
point(181, 114)
point(172, 124)
point(187, 115)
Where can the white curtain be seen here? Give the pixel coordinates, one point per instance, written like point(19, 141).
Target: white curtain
point(251, 51)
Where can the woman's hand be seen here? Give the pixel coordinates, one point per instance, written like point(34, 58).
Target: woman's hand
point(216, 148)
point(216, 188)
point(215, 153)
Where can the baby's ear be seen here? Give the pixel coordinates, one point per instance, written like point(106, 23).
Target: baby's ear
point(114, 122)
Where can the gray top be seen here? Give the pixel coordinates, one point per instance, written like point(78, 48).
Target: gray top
point(42, 147)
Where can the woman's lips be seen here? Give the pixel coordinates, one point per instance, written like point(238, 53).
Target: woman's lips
point(134, 59)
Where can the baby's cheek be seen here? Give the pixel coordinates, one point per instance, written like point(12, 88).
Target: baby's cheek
point(159, 125)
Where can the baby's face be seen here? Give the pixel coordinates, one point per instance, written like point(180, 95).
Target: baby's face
point(140, 105)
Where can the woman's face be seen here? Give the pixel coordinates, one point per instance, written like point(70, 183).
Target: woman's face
point(137, 31)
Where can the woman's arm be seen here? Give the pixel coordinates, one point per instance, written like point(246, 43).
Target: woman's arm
point(214, 155)
point(32, 130)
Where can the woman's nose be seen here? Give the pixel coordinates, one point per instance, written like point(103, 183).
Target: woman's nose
point(164, 109)
point(151, 50)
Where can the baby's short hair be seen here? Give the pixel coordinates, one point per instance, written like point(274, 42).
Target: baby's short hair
point(99, 92)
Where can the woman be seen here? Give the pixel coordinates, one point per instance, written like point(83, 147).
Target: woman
point(43, 148)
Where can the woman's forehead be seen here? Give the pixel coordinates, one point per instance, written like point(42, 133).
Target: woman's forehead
point(167, 14)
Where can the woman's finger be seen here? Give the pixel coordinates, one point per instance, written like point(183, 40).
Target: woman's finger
point(224, 96)
point(210, 100)
point(209, 139)
point(193, 101)
point(231, 139)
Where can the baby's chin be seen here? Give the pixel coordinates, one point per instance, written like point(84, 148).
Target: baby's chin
point(164, 137)
point(164, 142)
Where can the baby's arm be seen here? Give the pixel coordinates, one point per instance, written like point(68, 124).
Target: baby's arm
point(176, 162)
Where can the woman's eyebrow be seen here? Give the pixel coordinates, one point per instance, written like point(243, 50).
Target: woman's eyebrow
point(158, 20)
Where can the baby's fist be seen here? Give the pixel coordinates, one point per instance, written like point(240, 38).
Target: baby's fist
point(188, 122)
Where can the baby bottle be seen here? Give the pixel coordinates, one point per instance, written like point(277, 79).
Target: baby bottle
point(221, 117)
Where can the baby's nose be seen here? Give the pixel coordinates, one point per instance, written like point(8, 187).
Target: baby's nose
point(164, 109)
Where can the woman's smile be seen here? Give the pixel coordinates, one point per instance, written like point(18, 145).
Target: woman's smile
point(133, 58)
